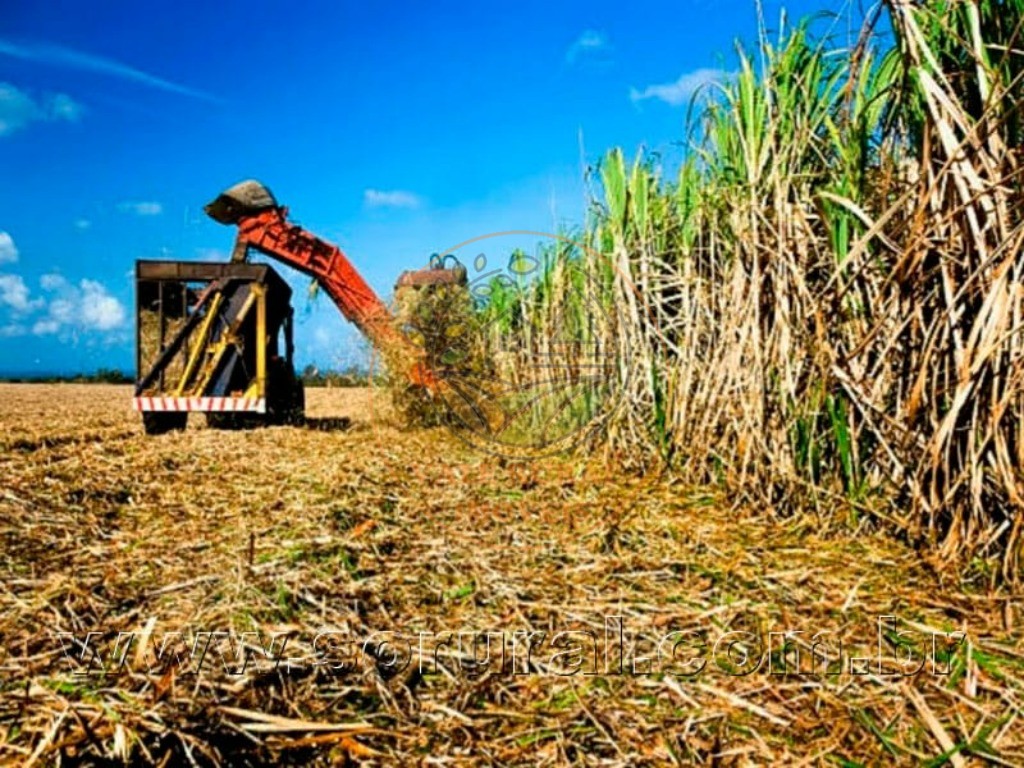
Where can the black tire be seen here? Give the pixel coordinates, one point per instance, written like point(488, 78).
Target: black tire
point(296, 415)
point(161, 423)
point(286, 397)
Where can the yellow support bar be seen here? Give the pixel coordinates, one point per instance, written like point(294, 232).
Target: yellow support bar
point(204, 331)
point(261, 339)
point(229, 337)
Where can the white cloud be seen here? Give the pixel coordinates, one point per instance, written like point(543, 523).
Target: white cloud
point(58, 55)
point(8, 250)
point(100, 310)
point(141, 208)
point(82, 223)
point(87, 306)
point(680, 91)
point(589, 44)
point(15, 295)
point(63, 107)
point(18, 109)
point(64, 310)
point(52, 282)
point(45, 327)
point(67, 310)
point(396, 198)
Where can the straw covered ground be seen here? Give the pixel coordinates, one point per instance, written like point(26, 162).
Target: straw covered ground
point(283, 596)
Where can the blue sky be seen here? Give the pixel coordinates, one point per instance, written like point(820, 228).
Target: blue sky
point(394, 130)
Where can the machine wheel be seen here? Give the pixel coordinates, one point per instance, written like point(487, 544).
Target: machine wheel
point(286, 401)
point(161, 423)
point(296, 414)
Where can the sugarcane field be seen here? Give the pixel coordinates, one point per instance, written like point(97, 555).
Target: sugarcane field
point(558, 386)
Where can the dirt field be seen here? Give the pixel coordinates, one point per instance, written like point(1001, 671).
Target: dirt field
point(287, 594)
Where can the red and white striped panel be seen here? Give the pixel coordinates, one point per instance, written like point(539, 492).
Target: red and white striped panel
point(209, 404)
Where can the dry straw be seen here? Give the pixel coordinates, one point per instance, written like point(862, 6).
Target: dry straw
point(370, 529)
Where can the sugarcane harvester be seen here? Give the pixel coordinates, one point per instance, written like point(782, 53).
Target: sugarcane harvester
point(227, 347)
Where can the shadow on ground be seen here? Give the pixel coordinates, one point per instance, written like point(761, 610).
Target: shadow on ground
point(328, 424)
